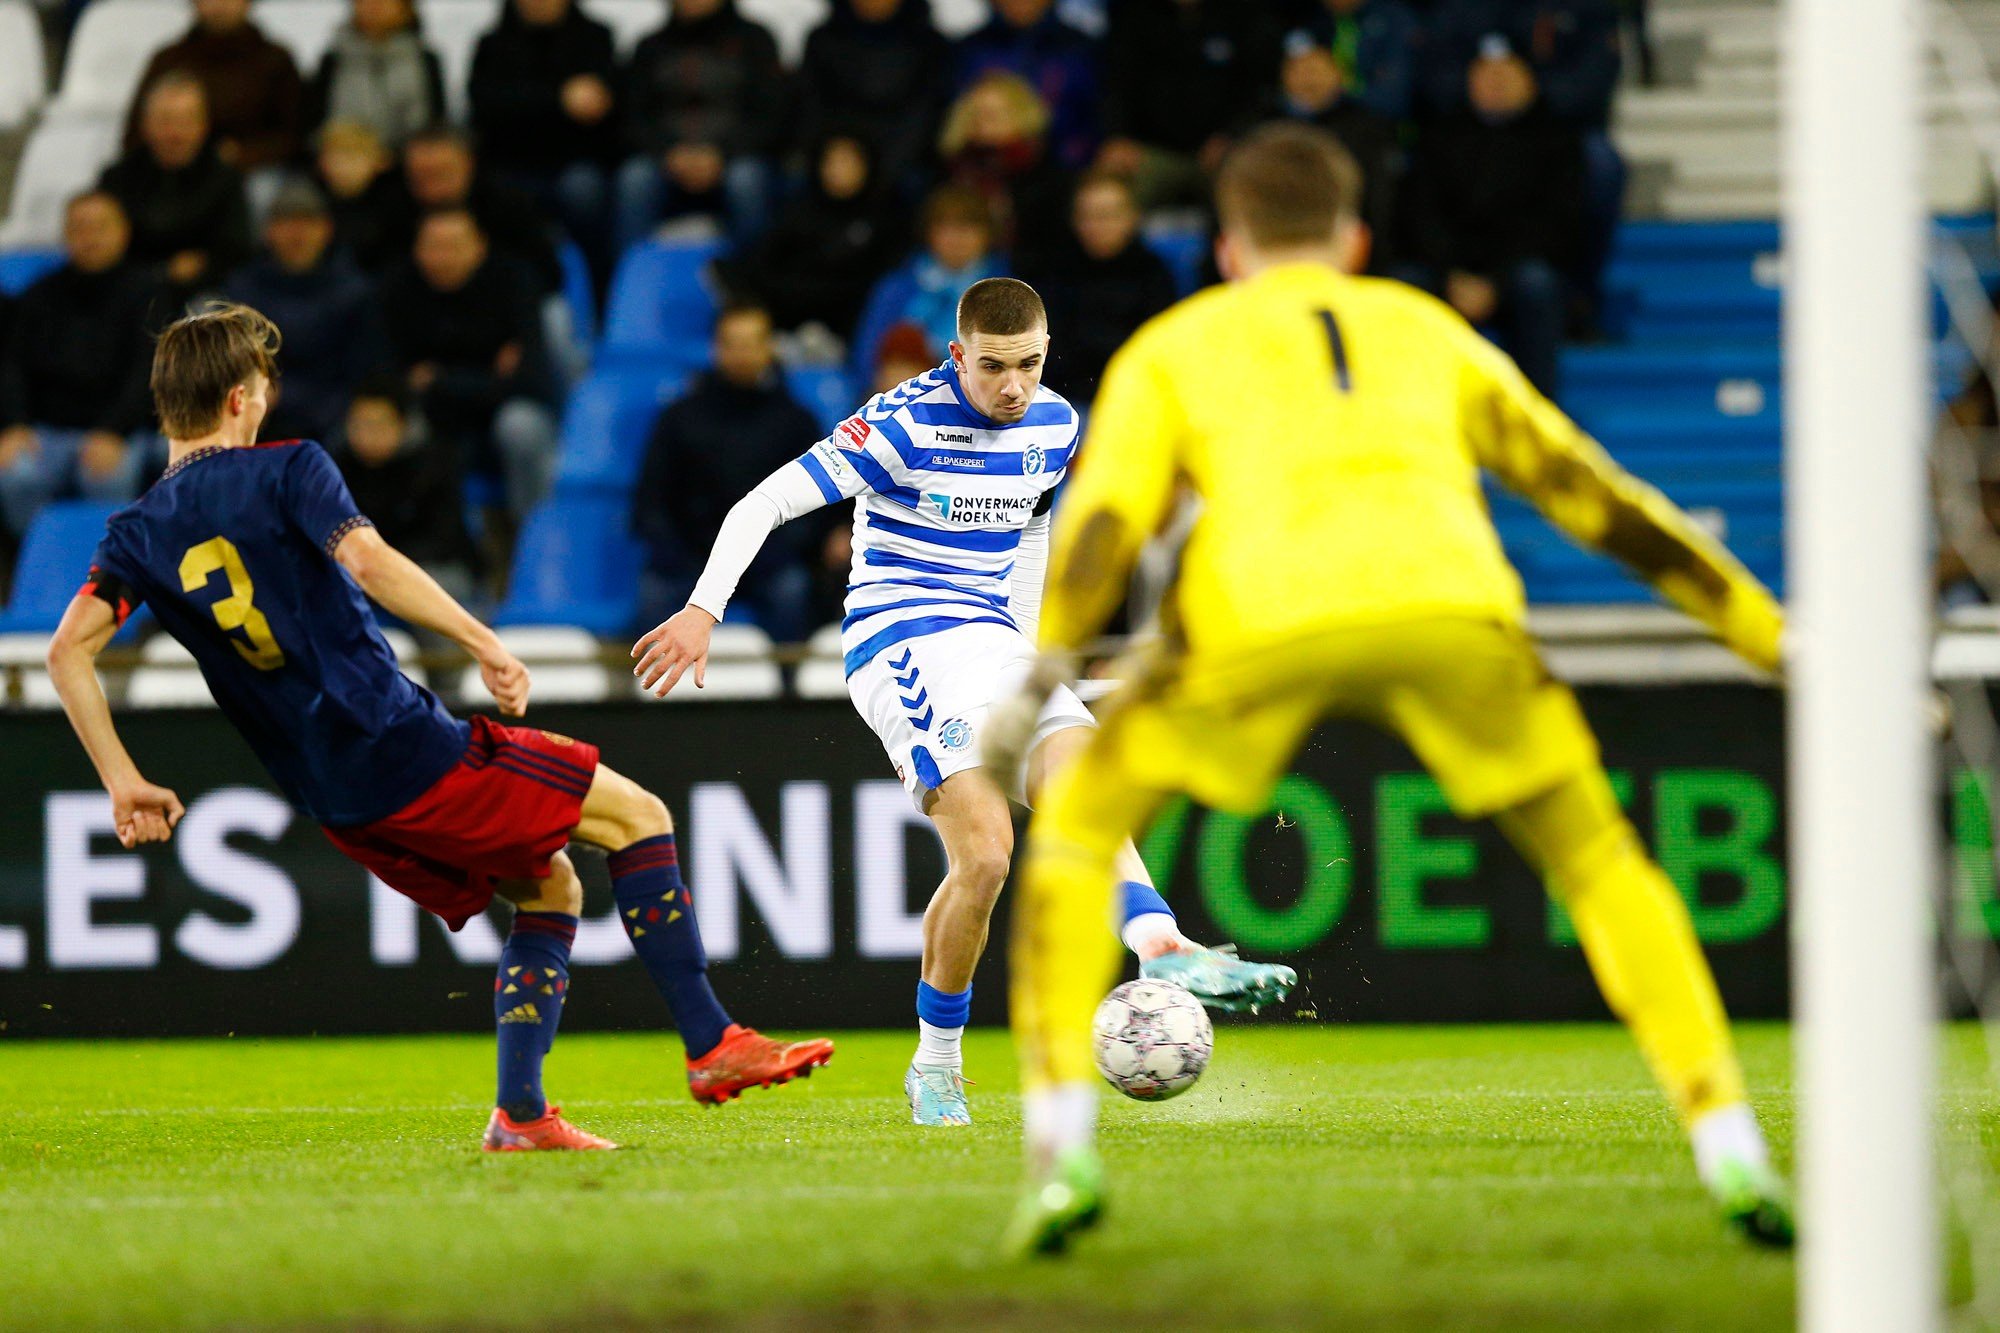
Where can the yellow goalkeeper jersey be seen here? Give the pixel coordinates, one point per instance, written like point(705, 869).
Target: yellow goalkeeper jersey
point(1334, 428)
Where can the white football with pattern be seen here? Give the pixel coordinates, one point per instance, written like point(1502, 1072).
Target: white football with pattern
point(1152, 1040)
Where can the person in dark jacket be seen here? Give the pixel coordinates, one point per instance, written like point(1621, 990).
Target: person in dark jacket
point(73, 376)
point(829, 245)
point(1376, 44)
point(1100, 287)
point(1179, 74)
point(995, 143)
point(1312, 87)
point(1027, 38)
point(735, 426)
point(379, 73)
point(366, 200)
point(440, 170)
point(870, 72)
point(466, 330)
point(1495, 199)
point(185, 204)
point(407, 483)
point(326, 307)
point(704, 108)
point(255, 95)
point(544, 108)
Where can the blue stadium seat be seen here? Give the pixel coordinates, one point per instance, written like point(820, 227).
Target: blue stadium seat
point(661, 308)
point(576, 563)
point(577, 292)
point(1183, 251)
point(20, 268)
point(605, 427)
point(824, 391)
point(55, 556)
point(1671, 364)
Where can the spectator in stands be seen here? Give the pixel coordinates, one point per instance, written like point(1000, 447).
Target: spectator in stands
point(1101, 286)
point(1029, 39)
point(995, 142)
point(903, 353)
point(545, 113)
point(735, 426)
point(958, 251)
point(379, 73)
point(1312, 87)
point(1494, 203)
point(1375, 44)
point(254, 91)
point(832, 241)
point(871, 72)
point(1178, 75)
point(408, 483)
point(365, 198)
point(441, 171)
point(705, 105)
point(1572, 49)
point(327, 309)
point(466, 329)
point(185, 204)
point(73, 379)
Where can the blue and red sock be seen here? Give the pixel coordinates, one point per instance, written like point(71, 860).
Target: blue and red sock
point(659, 919)
point(528, 995)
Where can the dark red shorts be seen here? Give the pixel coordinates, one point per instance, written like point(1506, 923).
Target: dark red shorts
point(502, 813)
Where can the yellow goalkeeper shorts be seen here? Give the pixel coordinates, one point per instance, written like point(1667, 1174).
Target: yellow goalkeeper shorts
point(1470, 696)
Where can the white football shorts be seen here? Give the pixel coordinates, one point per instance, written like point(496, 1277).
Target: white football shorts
point(927, 700)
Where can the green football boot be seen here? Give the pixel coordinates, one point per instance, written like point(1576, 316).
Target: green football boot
point(1221, 980)
point(1755, 1201)
point(1058, 1203)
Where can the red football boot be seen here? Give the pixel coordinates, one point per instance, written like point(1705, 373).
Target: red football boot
point(505, 1134)
point(746, 1058)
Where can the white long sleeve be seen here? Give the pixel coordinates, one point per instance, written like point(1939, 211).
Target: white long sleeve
point(779, 498)
point(1031, 568)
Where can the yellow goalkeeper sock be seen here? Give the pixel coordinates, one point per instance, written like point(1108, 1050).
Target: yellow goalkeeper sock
point(1638, 937)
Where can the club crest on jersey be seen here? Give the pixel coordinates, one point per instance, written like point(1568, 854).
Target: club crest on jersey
point(855, 431)
point(955, 734)
point(1034, 460)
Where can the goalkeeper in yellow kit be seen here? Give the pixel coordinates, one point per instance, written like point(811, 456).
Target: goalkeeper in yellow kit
point(1343, 564)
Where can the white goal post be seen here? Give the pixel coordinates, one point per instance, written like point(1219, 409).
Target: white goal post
point(1862, 824)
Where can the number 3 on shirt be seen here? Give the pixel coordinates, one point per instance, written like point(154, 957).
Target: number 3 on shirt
point(235, 611)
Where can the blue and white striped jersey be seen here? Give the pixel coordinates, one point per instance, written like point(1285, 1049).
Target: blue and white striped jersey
point(942, 497)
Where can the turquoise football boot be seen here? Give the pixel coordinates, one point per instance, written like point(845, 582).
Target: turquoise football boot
point(1221, 980)
point(937, 1095)
point(1060, 1202)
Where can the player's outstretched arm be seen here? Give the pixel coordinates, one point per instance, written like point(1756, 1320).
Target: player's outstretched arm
point(1533, 448)
point(141, 811)
point(401, 587)
point(679, 644)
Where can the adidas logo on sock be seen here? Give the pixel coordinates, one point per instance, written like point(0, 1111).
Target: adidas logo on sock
point(522, 1013)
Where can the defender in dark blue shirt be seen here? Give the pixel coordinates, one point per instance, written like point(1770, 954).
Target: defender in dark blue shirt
point(255, 558)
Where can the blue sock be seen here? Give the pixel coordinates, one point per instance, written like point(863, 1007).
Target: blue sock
point(941, 1019)
point(1141, 899)
point(659, 919)
point(528, 995)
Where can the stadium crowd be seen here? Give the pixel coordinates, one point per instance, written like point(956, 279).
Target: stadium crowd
point(415, 264)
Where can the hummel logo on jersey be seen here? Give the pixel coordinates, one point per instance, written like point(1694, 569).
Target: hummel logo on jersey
point(522, 1013)
point(978, 508)
point(954, 437)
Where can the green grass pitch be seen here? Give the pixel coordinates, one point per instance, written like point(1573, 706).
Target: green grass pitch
point(1379, 1178)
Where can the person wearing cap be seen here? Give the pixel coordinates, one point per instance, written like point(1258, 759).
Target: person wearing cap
point(327, 307)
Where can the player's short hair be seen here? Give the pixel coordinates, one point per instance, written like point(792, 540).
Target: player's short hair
point(1287, 184)
point(1001, 307)
point(201, 357)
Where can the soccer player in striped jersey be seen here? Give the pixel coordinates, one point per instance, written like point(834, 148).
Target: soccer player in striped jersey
point(254, 557)
point(1344, 565)
point(953, 475)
